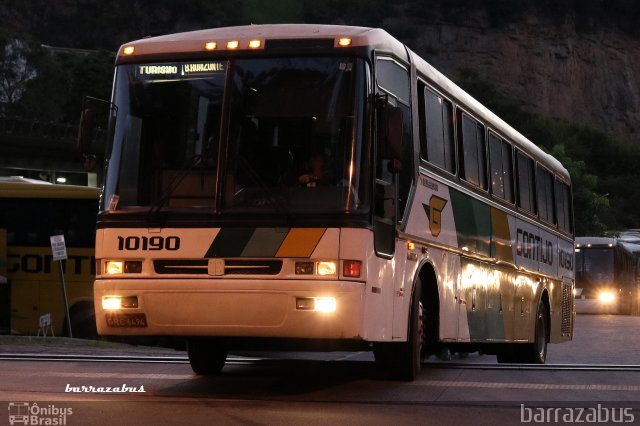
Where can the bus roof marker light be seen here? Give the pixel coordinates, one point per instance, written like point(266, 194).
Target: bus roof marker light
point(344, 42)
point(211, 45)
point(233, 44)
point(255, 44)
point(128, 50)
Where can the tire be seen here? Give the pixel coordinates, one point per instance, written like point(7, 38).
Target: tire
point(403, 360)
point(83, 322)
point(536, 352)
point(206, 358)
point(529, 353)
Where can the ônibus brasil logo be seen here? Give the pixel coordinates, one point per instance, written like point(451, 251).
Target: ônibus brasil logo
point(31, 413)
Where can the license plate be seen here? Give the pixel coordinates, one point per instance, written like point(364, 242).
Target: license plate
point(126, 320)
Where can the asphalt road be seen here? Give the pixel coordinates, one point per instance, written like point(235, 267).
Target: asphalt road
point(347, 389)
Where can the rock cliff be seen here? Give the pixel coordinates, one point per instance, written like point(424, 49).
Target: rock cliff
point(591, 78)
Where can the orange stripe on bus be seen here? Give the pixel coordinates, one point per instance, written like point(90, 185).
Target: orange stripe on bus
point(300, 242)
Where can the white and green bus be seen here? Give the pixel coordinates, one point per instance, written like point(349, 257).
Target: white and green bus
point(307, 186)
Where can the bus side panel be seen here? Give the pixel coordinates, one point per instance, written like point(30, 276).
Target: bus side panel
point(431, 219)
point(379, 291)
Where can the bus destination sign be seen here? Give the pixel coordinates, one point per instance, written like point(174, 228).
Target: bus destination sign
point(173, 71)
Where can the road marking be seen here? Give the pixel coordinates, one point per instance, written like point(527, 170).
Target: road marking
point(435, 383)
point(535, 386)
point(97, 375)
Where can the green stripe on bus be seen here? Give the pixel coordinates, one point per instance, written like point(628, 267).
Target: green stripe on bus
point(472, 221)
point(230, 242)
point(265, 242)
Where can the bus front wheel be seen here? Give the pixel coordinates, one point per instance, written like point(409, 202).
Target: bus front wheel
point(403, 360)
point(206, 358)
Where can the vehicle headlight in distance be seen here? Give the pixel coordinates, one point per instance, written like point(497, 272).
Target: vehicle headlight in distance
point(606, 296)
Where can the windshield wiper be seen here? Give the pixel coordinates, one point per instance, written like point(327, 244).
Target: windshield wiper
point(279, 203)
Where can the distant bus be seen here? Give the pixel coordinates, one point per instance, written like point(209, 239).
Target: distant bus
point(309, 186)
point(30, 212)
point(606, 275)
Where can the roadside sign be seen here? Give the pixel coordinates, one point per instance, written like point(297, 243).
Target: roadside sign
point(59, 251)
point(45, 320)
point(58, 248)
point(45, 324)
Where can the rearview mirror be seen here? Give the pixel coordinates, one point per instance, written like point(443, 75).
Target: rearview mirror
point(86, 133)
point(390, 131)
point(93, 125)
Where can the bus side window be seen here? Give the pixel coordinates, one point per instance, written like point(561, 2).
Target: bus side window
point(501, 164)
point(436, 130)
point(546, 208)
point(473, 155)
point(563, 206)
point(526, 184)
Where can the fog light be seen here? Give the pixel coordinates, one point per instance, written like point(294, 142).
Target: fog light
point(114, 267)
point(111, 303)
point(325, 304)
point(326, 268)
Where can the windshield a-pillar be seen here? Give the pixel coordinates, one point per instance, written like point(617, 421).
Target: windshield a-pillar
point(290, 141)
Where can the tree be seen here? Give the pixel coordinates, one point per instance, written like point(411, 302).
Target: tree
point(16, 70)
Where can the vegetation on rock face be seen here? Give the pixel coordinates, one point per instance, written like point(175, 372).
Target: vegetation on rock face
point(45, 84)
point(604, 170)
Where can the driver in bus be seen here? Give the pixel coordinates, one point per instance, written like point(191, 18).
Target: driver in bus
point(318, 174)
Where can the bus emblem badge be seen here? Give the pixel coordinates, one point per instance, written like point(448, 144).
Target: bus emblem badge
point(434, 213)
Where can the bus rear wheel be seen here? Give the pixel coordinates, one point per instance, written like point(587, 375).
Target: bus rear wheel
point(530, 353)
point(403, 360)
point(536, 352)
point(206, 357)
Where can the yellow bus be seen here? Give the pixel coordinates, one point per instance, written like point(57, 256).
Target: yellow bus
point(308, 186)
point(30, 212)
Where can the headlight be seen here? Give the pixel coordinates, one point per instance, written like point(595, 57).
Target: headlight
point(114, 267)
point(111, 303)
point(326, 268)
point(606, 297)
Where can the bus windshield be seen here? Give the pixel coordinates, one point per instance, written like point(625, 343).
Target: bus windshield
point(595, 266)
point(240, 136)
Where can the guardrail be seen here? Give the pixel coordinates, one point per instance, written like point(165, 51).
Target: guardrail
point(35, 128)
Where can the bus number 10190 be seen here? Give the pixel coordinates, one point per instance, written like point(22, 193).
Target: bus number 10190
point(146, 243)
